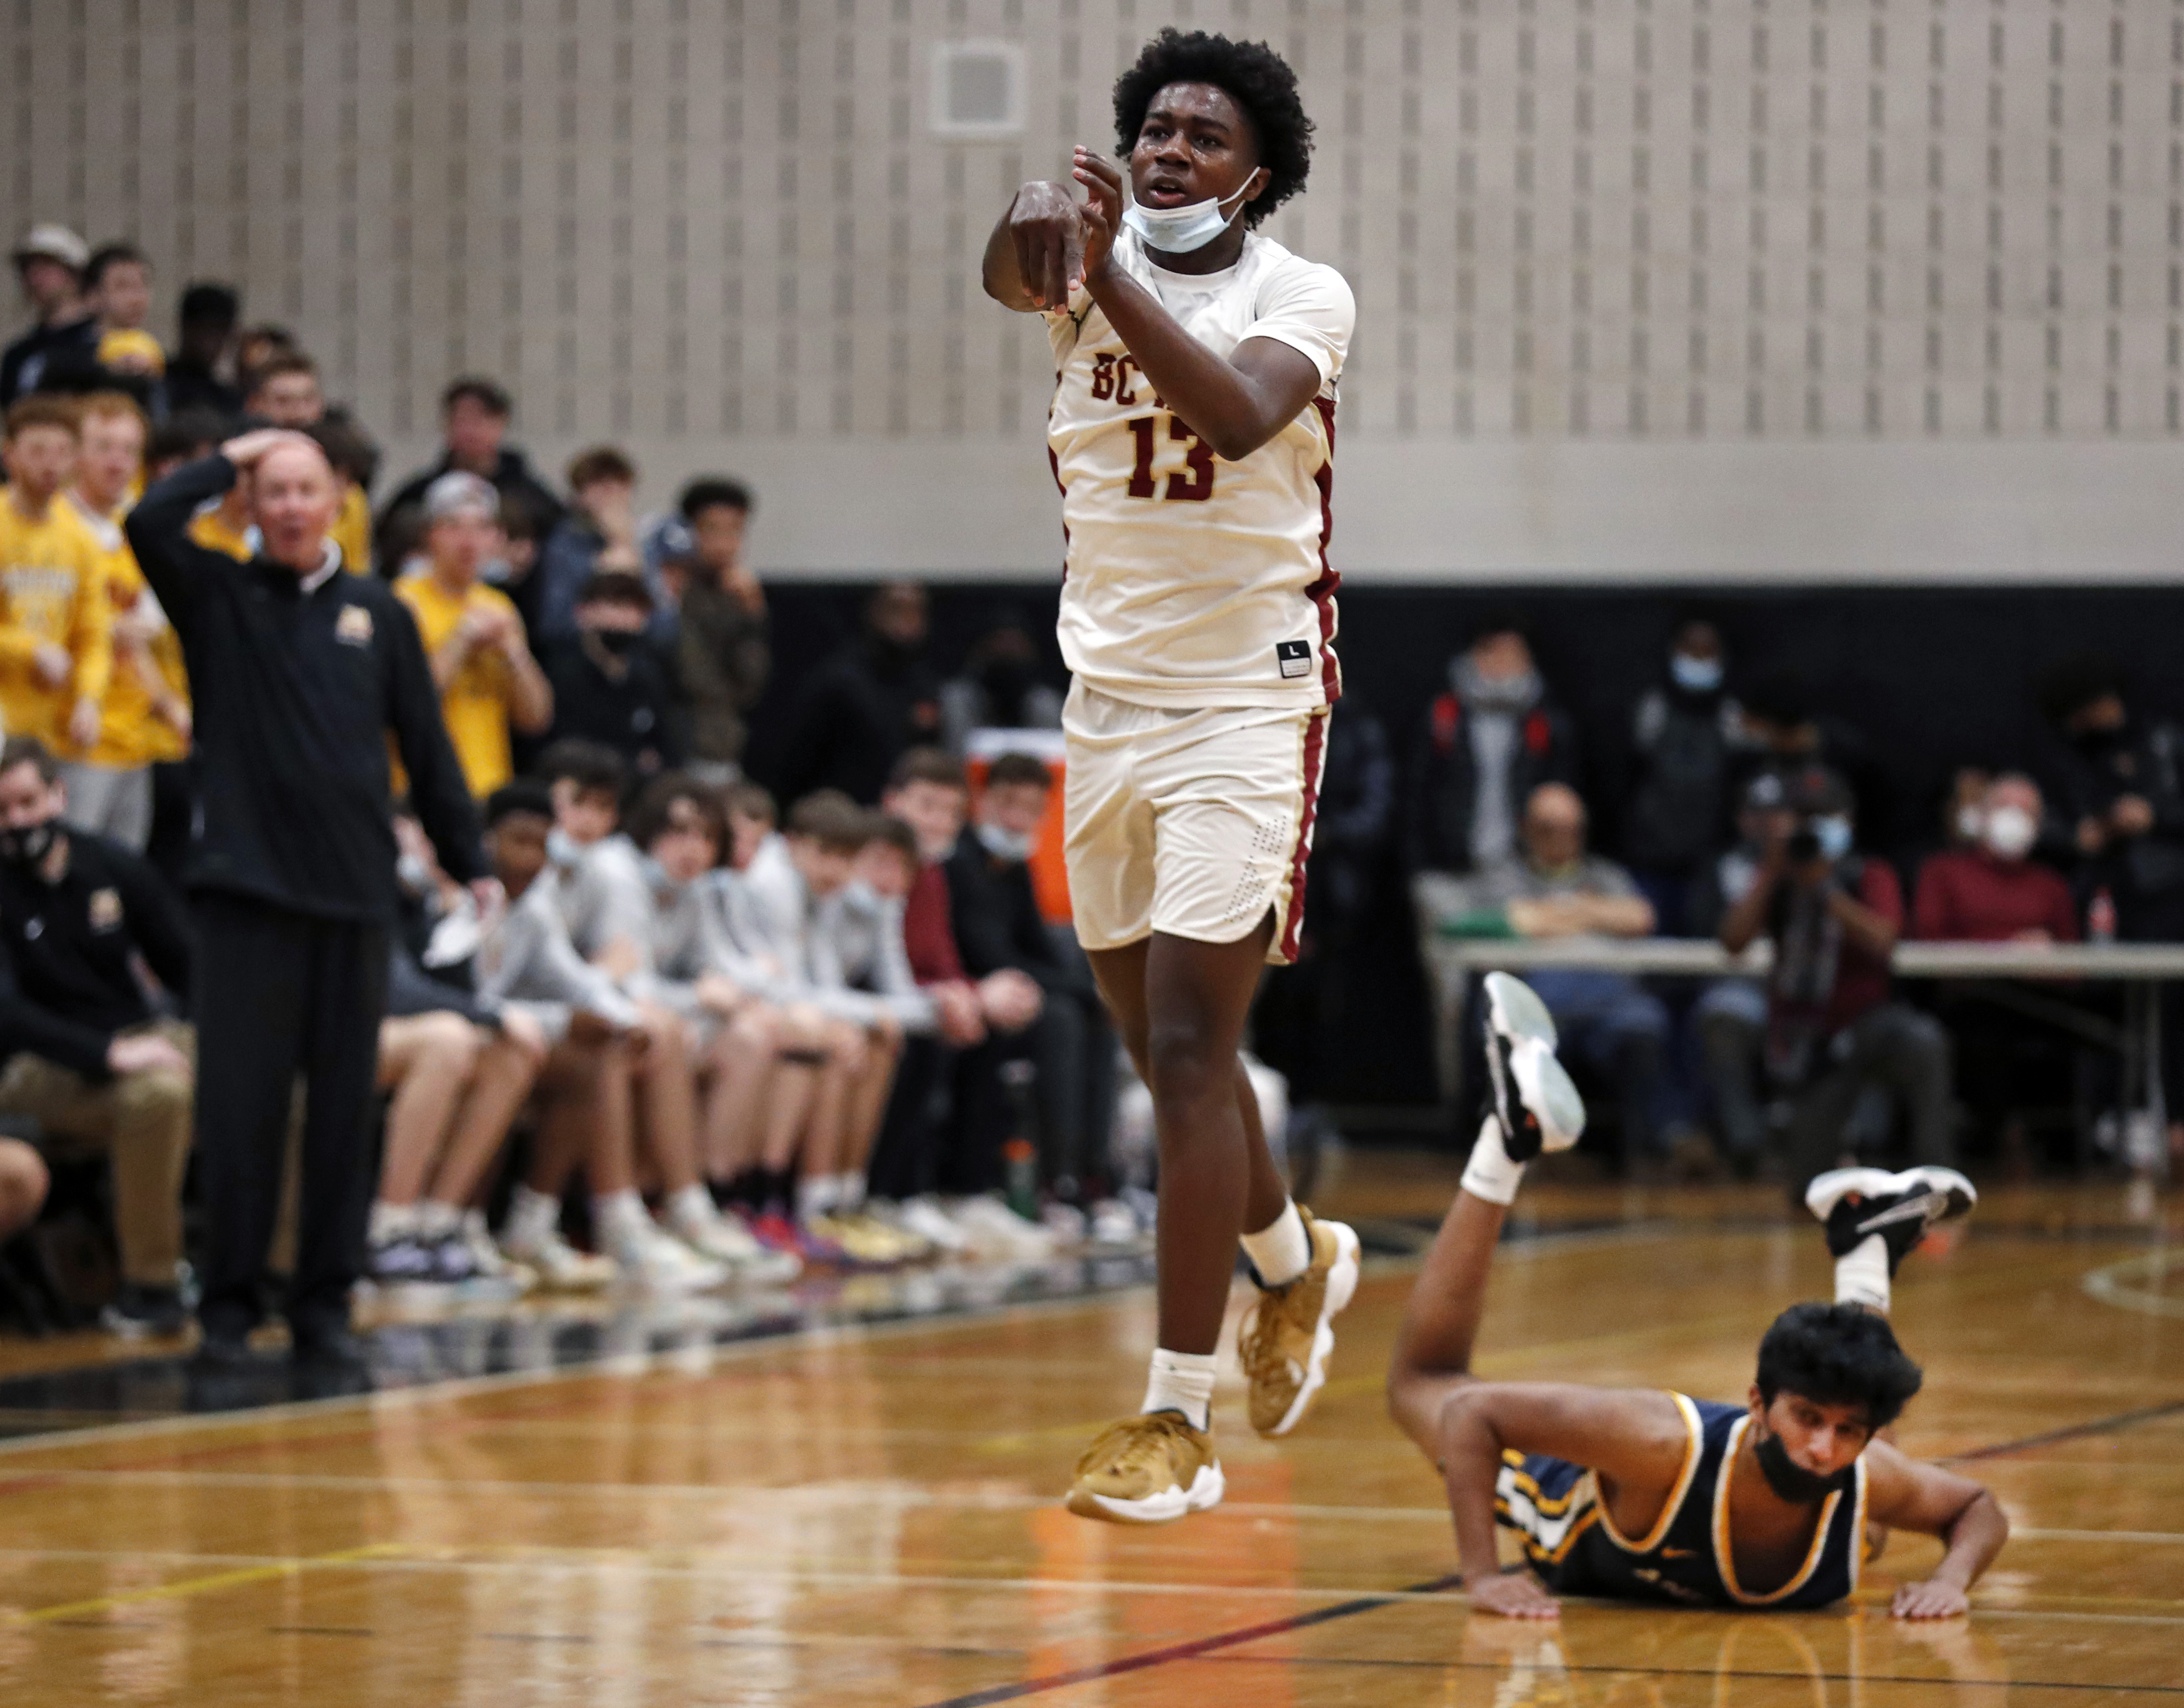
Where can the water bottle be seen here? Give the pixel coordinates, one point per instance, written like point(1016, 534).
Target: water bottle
point(2101, 918)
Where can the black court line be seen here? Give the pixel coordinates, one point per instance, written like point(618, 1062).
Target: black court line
point(1191, 1650)
point(1696, 1672)
point(2048, 1438)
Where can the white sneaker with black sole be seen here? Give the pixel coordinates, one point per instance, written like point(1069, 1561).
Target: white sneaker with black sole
point(1534, 1099)
point(1854, 1204)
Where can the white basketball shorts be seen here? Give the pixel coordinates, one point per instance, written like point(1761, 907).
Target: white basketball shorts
point(1194, 823)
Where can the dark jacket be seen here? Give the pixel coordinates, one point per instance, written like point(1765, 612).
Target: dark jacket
point(512, 478)
point(1677, 814)
point(721, 662)
point(635, 716)
point(295, 695)
point(860, 710)
point(188, 386)
point(1443, 779)
point(51, 358)
point(72, 943)
point(2144, 873)
point(997, 923)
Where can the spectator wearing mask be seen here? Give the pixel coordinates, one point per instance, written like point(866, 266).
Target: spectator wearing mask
point(1729, 1017)
point(490, 683)
point(598, 531)
point(209, 315)
point(2119, 788)
point(117, 288)
point(1609, 1022)
point(60, 351)
point(864, 706)
point(474, 416)
point(1833, 917)
point(1684, 735)
point(1072, 1043)
point(144, 718)
point(610, 681)
point(2008, 1063)
point(998, 689)
point(1489, 739)
point(1784, 730)
point(55, 620)
point(76, 914)
point(722, 656)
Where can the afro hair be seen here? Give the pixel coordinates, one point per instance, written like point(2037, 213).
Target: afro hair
point(1838, 1354)
point(1250, 73)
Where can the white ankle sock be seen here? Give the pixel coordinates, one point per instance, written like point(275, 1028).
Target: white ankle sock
point(436, 1220)
point(1182, 1381)
point(815, 1195)
point(691, 1206)
point(849, 1192)
point(620, 1221)
point(1489, 1174)
point(1280, 1251)
point(532, 1216)
point(390, 1222)
point(1862, 1274)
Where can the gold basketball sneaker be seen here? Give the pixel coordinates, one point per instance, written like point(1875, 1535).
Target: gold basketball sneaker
point(1147, 1470)
point(1286, 1336)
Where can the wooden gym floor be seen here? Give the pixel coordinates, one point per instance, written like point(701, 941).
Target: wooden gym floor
point(869, 1516)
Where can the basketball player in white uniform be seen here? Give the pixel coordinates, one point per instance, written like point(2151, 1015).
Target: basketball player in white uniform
point(1192, 433)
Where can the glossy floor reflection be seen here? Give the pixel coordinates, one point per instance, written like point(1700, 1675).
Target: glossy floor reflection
point(867, 1514)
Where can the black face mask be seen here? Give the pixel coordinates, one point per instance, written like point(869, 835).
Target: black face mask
point(2101, 744)
point(619, 642)
point(30, 845)
point(1789, 1480)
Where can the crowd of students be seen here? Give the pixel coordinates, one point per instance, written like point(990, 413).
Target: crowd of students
point(757, 1045)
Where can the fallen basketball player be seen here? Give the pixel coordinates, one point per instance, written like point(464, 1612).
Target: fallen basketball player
point(1643, 1495)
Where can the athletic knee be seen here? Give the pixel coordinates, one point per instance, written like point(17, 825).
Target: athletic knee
point(1186, 1060)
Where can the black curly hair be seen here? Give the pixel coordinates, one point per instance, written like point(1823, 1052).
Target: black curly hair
point(1250, 73)
point(1838, 1354)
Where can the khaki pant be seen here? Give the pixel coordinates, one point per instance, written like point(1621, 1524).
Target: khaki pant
point(142, 1121)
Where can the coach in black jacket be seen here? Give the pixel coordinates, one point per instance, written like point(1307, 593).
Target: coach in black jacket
point(298, 673)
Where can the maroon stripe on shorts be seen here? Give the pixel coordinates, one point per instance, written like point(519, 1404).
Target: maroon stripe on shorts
point(1315, 749)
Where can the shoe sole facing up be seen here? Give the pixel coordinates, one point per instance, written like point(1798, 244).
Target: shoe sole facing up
point(1342, 1286)
point(1171, 1504)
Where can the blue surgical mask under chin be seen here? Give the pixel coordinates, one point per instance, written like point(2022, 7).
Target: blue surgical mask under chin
point(1695, 676)
point(1179, 230)
point(1835, 836)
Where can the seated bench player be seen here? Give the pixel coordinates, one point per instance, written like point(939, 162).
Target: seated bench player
point(1644, 1495)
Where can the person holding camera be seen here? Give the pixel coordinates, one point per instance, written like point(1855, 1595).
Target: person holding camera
point(1833, 1029)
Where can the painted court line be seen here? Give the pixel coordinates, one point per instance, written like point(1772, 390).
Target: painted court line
point(2073, 1431)
point(1545, 1672)
point(96, 1605)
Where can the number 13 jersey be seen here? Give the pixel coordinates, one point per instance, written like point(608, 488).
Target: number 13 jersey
point(1191, 581)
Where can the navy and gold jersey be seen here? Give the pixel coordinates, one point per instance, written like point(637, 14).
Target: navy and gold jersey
point(1574, 1547)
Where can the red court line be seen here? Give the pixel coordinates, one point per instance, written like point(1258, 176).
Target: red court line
point(1191, 1650)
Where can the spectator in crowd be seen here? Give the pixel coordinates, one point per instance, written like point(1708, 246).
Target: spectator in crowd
point(596, 532)
point(1489, 739)
point(1609, 1022)
point(1684, 736)
point(515, 573)
point(722, 655)
point(1070, 1042)
point(145, 717)
point(355, 460)
point(60, 351)
point(117, 288)
point(1995, 891)
point(77, 912)
point(257, 348)
point(195, 372)
point(861, 708)
point(525, 959)
point(2117, 787)
point(56, 622)
point(284, 390)
point(609, 682)
point(998, 687)
point(300, 674)
point(1728, 1020)
point(1833, 917)
point(490, 683)
point(1964, 807)
point(474, 415)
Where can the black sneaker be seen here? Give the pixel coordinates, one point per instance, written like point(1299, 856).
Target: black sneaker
point(139, 1312)
point(453, 1261)
point(405, 1260)
point(1855, 1203)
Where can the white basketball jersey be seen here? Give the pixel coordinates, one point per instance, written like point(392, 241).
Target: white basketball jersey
point(1191, 581)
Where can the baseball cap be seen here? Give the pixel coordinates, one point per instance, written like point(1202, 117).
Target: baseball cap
point(52, 243)
point(457, 491)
